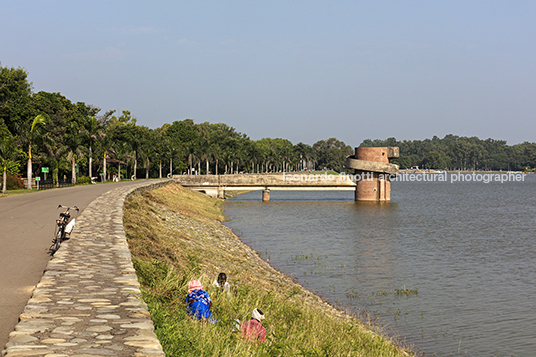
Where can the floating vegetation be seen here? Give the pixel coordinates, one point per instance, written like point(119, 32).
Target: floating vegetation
point(352, 294)
point(400, 312)
point(407, 292)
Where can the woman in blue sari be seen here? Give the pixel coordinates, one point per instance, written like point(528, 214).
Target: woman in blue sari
point(198, 301)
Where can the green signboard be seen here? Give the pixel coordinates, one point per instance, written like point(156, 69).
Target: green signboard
point(38, 178)
point(44, 169)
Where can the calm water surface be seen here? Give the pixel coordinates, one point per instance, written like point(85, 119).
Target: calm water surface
point(462, 256)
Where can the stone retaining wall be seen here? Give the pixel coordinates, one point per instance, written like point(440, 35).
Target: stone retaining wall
point(88, 302)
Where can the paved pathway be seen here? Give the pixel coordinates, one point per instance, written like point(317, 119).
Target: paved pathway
point(26, 230)
point(87, 302)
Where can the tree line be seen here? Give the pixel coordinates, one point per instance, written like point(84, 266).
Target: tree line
point(461, 153)
point(79, 141)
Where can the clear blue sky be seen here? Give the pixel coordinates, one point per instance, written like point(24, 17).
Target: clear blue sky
point(299, 70)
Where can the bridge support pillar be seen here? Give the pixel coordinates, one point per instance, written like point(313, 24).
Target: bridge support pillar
point(373, 172)
point(265, 195)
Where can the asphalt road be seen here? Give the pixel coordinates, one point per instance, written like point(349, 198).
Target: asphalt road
point(27, 225)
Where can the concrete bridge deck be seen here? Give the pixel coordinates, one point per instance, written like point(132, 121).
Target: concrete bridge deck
point(88, 302)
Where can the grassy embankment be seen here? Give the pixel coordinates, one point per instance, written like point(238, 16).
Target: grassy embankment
point(175, 235)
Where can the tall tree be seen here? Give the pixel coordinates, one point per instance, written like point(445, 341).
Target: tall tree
point(147, 148)
point(91, 132)
point(8, 153)
point(305, 155)
point(90, 129)
point(332, 153)
point(56, 152)
point(74, 141)
point(15, 98)
point(182, 137)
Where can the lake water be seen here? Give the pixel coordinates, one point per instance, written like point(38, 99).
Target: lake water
point(448, 267)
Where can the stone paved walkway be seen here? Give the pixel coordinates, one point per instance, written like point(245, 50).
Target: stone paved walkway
point(88, 302)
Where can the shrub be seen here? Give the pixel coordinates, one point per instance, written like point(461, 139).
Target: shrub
point(14, 182)
point(83, 180)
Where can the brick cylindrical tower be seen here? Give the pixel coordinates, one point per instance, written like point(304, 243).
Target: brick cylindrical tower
point(372, 187)
point(373, 172)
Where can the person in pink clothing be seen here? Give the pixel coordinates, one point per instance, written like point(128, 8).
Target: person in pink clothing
point(253, 330)
point(198, 302)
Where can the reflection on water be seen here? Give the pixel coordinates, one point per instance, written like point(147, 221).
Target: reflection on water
point(447, 266)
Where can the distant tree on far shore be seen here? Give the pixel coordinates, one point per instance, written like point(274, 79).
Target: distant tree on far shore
point(332, 154)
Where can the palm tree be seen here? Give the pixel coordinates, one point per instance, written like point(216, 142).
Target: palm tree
point(131, 134)
point(73, 140)
point(38, 124)
point(171, 153)
point(56, 153)
point(92, 131)
point(160, 149)
point(103, 147)
point(201, 154)
point(215, 151)
point(148, 149)
point(121, 152)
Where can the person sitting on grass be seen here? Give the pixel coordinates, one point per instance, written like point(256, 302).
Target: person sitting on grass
point(253, 330)
point(198, 302)
point(222, 283)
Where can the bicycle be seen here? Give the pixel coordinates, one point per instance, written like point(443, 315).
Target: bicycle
point(64, 227)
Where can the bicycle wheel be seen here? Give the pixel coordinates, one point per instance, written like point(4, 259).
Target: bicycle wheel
point(63, 233)
point(58, 237)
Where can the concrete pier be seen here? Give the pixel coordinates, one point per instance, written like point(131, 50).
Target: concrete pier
point(265, 195)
